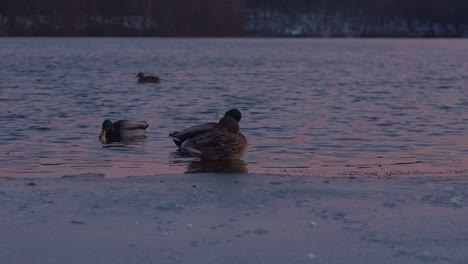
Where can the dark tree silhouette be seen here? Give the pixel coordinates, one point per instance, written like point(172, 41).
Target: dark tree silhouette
point(203, 17)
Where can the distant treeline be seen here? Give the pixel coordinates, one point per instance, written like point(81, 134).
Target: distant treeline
point(120, 17)
point(224, 17)
point(436, 10)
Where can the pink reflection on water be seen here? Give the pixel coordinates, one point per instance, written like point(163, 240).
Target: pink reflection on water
point(312, 107)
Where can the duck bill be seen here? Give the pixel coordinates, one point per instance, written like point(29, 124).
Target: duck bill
point(103, 134)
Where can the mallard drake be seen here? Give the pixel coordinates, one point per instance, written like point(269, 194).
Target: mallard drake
point(180, 137)
point(223, 142)
point(122, 129)
point(147, 79)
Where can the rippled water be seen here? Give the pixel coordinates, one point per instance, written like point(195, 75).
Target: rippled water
point(310, 106)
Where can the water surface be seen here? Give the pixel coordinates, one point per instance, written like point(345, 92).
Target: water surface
point(310, 106)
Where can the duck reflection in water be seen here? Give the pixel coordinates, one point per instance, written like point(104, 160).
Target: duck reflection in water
point(123, 142)
point(217, 166)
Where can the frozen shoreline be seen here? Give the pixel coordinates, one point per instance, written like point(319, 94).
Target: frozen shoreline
point(234, 218)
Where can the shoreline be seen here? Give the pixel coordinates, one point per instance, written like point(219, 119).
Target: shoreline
point(234, 218)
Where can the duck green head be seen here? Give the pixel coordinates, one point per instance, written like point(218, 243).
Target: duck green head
point(234, 113)
point(107, 126)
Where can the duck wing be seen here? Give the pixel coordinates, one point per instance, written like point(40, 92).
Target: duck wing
point(130, 129)
point(203, 143)
point(131, 125)
point(191, 132)
point(217, 144)
point(154, 79)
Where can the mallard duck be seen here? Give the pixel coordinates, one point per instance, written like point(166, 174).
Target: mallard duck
point(180, 137)
point(223, 142)
point(122, 129)
point(147, 79)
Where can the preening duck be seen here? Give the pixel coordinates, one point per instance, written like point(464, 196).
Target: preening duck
point(180, 136)
point(223, 142)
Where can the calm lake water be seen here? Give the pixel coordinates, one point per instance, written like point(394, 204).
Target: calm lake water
point(310, 106)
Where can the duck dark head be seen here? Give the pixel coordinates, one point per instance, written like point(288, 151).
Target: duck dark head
point(107, 127)
point(235, 113)
point(140, 74)
point(230, 124)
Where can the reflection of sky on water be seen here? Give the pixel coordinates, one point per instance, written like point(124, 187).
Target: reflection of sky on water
point(310, 106)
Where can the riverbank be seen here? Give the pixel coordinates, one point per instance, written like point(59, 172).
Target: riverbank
point(234, 218)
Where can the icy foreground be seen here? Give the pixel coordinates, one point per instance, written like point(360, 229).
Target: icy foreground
point(243, 218)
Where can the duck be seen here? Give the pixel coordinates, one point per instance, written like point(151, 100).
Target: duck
point(180, 136)
point(115, 131)
point(147, 79)
point(222, 142)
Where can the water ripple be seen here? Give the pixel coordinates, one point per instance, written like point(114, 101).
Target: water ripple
point(310, 106)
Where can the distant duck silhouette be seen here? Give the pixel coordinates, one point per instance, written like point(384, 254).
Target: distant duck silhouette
point(180, 136)
point(122, 129)
point(222, 142)
point(147, 79)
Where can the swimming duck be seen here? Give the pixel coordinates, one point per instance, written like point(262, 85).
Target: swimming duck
point(223, 142)
point(147, 79)
point(180, 137)
point(122, 129)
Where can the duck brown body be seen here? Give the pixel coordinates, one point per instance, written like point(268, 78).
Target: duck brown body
point(147, 79)
point(180, 136)
point(223, 142)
